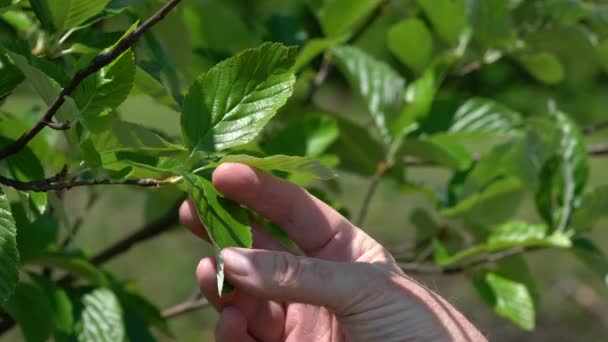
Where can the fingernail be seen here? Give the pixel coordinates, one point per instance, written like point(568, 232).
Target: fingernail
point(236, 262)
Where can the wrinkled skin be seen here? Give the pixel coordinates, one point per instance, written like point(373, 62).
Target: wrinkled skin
point(341, 286)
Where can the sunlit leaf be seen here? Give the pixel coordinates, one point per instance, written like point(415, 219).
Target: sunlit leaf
point(101, 319)
point(545, 67)
point(229, 105)
point(508, 298)
point(342, 16)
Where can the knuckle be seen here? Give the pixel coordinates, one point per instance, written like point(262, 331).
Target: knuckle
point(288, 269)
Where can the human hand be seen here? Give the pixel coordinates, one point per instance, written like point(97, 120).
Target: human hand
point(347, 287)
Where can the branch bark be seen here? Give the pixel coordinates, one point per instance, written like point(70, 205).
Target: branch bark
point(99, 62)
point(371, 191)
point(56, 184)
point(418, 268)
point(195, 303)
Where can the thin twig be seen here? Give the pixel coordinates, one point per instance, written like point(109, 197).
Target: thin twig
point(371, 191)
point(194, 303)
point(418, 268)
point(54, 184)
point(99, 62)
point(596, 128)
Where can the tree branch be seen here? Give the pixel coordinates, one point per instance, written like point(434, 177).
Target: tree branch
point(56, 183)
point(371, 191)
point(99, 62)
point(596, 128)
point(150, 230)
point(196, 302)
point(418, 268)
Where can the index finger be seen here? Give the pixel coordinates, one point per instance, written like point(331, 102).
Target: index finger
point(315, 227)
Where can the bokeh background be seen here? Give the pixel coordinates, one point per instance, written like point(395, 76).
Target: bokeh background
point(574, 301)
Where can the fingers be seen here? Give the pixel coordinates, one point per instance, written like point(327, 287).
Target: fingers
point(265, 319)
point(288, 278)
point(314, 226)
point(232, 327)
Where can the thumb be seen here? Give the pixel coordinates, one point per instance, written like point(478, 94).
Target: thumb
point(285, 277)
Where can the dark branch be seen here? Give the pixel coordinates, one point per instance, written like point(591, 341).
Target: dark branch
point(152, 229)
point(99, 62)
point(56, 184)
point(195, 303)
point(600, 150)
point(596, 128)
point(417, 268)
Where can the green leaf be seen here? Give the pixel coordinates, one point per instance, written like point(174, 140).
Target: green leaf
point(593, 207)
point(359, 152)
point(447, 16)
point(150, 86)
point(494, 191)
point(345, 16)
point(380, 86)
point(411, 42)
point(46, 87)
point(101, 318)
point(67, 14)
point(521, 234)
point(136, 305)
point(9, 255)
point(61, 306)
point(592, 256)
point(124, 136)
point(508, 298)
point(290, 164)
point(11, 76)
point(74, 262)
point(31, 307)
point(419, 96)
point(545, 67)
point(223, 228)
point(564, 177)
point(34, 238)
point(479, 115)
point(491, 21)
point(602, 54)
point(309, 136)
point(435, 150)
point(230, 104)
point(105, 90)
point(315, 47)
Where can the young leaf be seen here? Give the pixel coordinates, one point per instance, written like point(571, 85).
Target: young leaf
point(379, 85)
point(61, 306)
point(508, 298)
point(223, 228)
point(105, 90)
point(295, 165)
point(34, 238)
point(73, 262)
point(231, 103)
point(101, 318)
point(411, 42)
point(520, 234)
point(124, 136)
point(9, 256)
